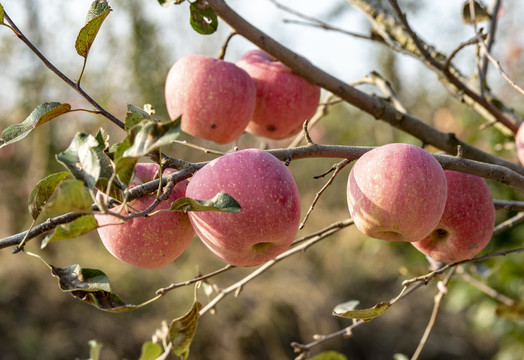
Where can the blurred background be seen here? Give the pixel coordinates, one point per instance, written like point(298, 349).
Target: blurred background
point(293, 301)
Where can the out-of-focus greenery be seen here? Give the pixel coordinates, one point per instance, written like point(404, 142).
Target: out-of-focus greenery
point(291, 302)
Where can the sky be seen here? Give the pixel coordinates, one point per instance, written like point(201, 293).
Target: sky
point(341, 55)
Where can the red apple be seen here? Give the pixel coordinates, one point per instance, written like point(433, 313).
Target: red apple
point(215, 98)
point(467, 224)
point(396, 192)
point(284, 99)
point(147, 242)
point(519, 141)
point(270, 207)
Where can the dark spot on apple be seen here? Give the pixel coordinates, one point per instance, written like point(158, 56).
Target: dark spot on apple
point(271, 127)
point(213, 126)
point(440, 233)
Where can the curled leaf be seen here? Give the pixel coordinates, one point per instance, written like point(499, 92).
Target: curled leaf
point(363, 314)
point(220, 202)
point(43, 191)
point(40, 115)
point(182, 331)
point(135, 115)
point(149, 135)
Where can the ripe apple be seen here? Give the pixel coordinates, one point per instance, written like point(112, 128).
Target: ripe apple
point(467, 224)
point(215, 98)
point(519, 141)
point(270, 207)
point(396, 192)
point(147, 242)
point(284, 99)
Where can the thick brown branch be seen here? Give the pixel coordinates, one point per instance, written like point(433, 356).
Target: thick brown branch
point(376, 107)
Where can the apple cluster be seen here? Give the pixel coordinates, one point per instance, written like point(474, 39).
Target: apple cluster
point(219, 100)
point(400, 192)
point(265, 226)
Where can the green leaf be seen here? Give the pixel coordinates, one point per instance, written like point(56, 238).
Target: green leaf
point(203, 18)
point(149, 135)
point(81, 159)
point(75, 228)
point(92, 287)
point(43, 191)
point(364, 314)
point(150, 351)
point(182, 331)
point(1, 14)
point(134, 116)
point(70, 196)
point(94, 351)
point(39, 116)
point(164, 3)
point(399, 356)
point(95, 17)
point(75, 277)
point(220, 202)
point(329, 355)
point(511, 312)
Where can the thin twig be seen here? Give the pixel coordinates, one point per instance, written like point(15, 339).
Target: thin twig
point(442, 291)
point(166, 289)
point(337, 168)
point(222, 52)
point(61, 75)
point(431, 275)
point(485, 288)
point(236, 287)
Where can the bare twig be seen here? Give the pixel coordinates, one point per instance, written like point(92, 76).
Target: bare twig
point(62, 76)
point(428, 57)
point(442, 291)
point(166, 289)
point(222, 52)
point(430, 276)
point(466, 276)
point(509, 224)
point(337, 168)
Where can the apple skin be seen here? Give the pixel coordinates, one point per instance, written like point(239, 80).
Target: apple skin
point(147, 242)
point(269, 217)
point(284, 99)
point(519, 141)
point(215, 97)
point(466, 226)
point(396, 192)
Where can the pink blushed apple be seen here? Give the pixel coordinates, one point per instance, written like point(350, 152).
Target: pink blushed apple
point(270, 207)
point(467, 224)
point(215, 97)
point(519, 142)
point(284, 99)
point(396, 192)
point(147, 242)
